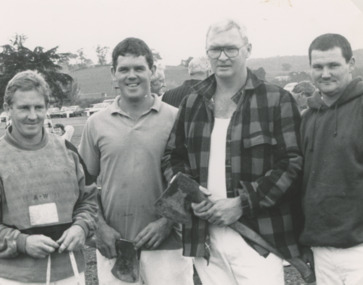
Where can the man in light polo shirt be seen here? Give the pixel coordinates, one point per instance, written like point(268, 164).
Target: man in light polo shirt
point(123, 146)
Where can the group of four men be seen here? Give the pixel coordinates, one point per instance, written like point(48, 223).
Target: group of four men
point(237, 136)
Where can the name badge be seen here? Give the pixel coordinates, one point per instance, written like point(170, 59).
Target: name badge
point(43, 214)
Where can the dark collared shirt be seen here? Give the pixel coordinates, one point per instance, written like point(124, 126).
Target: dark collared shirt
point(175, 96)
point(263, 159)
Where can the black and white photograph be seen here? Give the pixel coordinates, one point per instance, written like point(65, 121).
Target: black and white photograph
point(166, 142)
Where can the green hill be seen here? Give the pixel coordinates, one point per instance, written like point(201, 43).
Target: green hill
point(175, 75)
point(96, 82)
point(274, 65)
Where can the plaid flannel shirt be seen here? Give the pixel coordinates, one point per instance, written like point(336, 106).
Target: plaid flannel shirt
point(263, 159)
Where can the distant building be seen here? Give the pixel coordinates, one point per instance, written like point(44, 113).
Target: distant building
point(282, 78)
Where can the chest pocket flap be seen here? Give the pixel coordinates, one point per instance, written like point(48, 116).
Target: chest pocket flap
point(259, 139)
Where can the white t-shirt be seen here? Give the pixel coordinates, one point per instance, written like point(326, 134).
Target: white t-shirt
point(217, 159)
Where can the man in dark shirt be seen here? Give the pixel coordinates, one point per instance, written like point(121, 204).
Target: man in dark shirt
point(237, 136)
point(331, 141)
point(198, 70)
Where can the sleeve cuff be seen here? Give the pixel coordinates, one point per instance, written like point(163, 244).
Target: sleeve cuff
point(83, 225)
point(21, 242)
point(248, 199)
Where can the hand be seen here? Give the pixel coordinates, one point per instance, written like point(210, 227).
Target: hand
point(199, 208)
point(153, 234)
point(221, 212)
point(40, 246)
point(72, 239)
point(106, 237)
point(205, 191)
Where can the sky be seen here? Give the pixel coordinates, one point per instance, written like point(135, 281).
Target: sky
point(177, 28)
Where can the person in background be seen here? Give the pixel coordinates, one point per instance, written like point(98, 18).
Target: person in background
point(238, 137)
point(47, 200)
point(332, 136)
point(158, 82)
point(301, 92)
point(198, 70)
point(65, 132)
point(122, 146)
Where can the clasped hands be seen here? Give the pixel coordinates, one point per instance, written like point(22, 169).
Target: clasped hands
point(40, 246)
point(221, 212)
point(149, 237)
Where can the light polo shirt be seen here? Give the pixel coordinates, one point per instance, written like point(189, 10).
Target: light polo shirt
point(126, 154)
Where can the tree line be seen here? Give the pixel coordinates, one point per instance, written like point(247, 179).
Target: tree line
point(16, 57)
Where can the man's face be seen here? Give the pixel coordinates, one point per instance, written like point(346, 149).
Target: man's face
point(27, 114)
point(58, 131)
point(301, 99)
point(132, 75)
point(224, 66)
point(158, 86)
point(330, 71)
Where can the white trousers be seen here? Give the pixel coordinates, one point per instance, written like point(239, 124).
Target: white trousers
point(234, 262)
point(335, 266)
point(157, 267)
point(67, 281)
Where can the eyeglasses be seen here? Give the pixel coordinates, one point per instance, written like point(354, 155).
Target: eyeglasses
point(230, 52)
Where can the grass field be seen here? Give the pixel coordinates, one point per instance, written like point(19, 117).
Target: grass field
point(94, 81)
point(291, 275)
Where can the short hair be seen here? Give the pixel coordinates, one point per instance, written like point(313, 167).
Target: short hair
point(25, 81)
point(135, 47)
point(61, 126)
point(305, 87)
point(199, 65)
point(158, 75)
point(330, 41)
point(226, 25)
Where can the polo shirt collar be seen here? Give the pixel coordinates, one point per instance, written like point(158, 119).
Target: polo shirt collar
point(115, 108)
point(157, 103)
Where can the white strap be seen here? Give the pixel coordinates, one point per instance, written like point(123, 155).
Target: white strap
point(74, 267)
point(49, 265)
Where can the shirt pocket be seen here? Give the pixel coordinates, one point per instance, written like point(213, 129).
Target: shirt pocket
point(258, 154)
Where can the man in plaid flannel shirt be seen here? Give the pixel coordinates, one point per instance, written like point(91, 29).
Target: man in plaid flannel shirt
point(237, 136)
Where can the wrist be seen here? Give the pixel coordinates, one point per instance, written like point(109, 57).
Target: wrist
point(101, 222)
point(166, 222)
point(82, 226)
point(21, 242)
point(237, 204)
point(237, 201)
